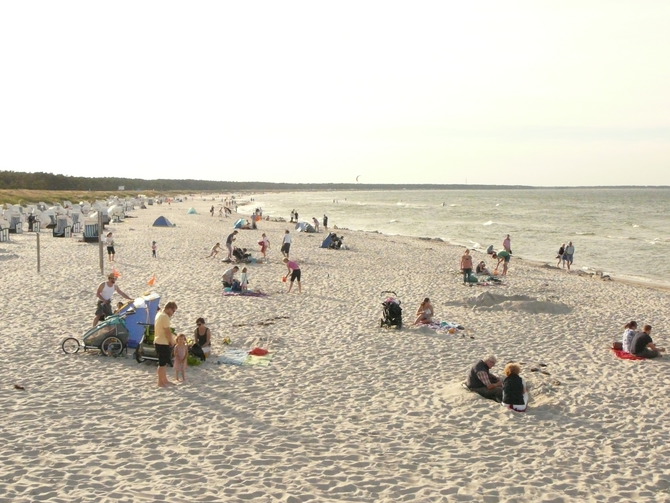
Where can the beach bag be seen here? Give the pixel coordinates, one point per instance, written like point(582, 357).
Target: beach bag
point(258, 352)
point(236, 286)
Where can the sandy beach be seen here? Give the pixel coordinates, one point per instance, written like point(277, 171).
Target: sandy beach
point(345, 411)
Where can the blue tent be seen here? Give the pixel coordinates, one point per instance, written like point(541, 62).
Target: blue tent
point(327, 242)
point(240, 223)
point(163, 222)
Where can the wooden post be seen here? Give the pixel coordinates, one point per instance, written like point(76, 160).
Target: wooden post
point(102, 256)
point(38, 252)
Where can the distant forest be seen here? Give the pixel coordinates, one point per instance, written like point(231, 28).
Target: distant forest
point(14, 180)
point(49, 181)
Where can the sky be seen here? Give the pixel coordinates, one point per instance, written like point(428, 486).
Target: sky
point(487, 92)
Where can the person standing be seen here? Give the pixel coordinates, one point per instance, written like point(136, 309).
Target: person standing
point(211, 210)
point(569, 254)
point(229, 244)
point(325, 222)
point(265, 244)
point(180, 352)
point(466, 266)
point(163, 342)
point(507, 244)
point(104, 294)
point(294, 271)
point(316, 224)
point(109, 243)
point(286, 243)
point(503, 257)
point(482, 381)
point(154, 249)
point(559, 256)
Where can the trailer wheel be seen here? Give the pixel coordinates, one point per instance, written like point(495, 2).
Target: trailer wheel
point(70, 346)
point(111, 346)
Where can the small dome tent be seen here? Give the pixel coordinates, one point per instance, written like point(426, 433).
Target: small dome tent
point(163, 222)
point(191, 211)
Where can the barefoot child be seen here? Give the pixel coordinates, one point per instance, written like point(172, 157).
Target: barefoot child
point(180, 358)
point(215, 250)
point(154, 249)
point(244, 279)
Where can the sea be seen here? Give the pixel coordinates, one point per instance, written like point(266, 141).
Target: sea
point(621, 232)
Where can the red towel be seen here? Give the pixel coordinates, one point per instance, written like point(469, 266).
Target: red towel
point(626, 356)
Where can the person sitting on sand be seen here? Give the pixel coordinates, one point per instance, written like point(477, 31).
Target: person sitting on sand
point(203, 338)
point(628, 335)
point(482, 381)
point(424, 315)
point(643, 346)
point(514, 391)
point(228, 277)
point(482, 269)
point(215, 250)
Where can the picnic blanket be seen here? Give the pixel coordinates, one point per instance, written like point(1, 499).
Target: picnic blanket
point(242, 357)
point(620, 353)
point(244, 293)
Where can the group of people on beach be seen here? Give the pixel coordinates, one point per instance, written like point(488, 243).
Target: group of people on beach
point(565, 255)
point(511, 391)
point(503, 257)
point(639, 343)
point(229, 276)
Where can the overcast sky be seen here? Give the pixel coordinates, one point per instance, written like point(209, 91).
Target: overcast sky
point(484, 92)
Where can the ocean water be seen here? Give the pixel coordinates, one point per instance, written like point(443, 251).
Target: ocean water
point(621, 232)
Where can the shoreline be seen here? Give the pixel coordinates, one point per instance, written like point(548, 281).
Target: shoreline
point(585, 271)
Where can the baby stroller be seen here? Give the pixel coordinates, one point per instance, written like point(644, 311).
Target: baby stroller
point(241, 254)
point(391, 311)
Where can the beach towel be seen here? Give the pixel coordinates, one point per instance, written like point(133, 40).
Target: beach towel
point(620, 353)
point(443, 327)
point(242, 357)
point(228, 292)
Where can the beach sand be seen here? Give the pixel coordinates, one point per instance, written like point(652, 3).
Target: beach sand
point(345, 410)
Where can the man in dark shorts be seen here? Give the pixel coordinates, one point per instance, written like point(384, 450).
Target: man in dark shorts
point(163, 341)
point(482, 381)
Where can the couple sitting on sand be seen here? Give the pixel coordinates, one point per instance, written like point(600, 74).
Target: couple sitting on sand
point(639, 343)
point(511, 391)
